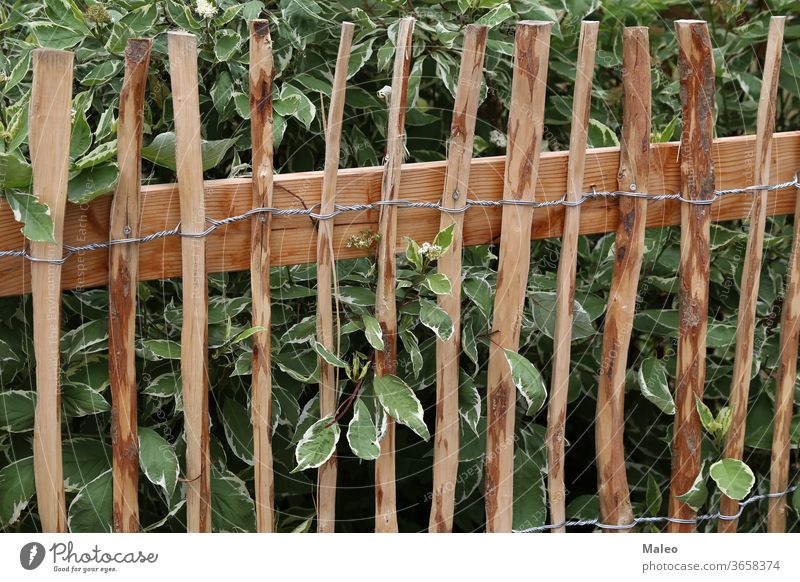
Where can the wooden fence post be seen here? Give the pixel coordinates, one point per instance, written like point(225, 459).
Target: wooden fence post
point(696, 68)
point(328, 389)
point(634, 171)
point(262, 71)
point(567, 265)
point(456, 189)
point(385, 308)
point(525, 130)
point(751, 273)
point(123, 274)
point(194, 335)
point(51, 98)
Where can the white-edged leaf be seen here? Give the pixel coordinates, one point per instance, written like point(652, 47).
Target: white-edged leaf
point(444, 238)
point(362, 434)
point(329, 356)
point(157, 460)
point(469, 402)
point(317, 445)
point(733, 477)
point(17, 487)
point(34, 215)
point(436, 319)
point(697, 494)
point(527, 380)
point(400, 402)
point(90, 511)
point(232, 508)
point(372, 329)
point(652, 378)
point(439, 284)
point(238, 429)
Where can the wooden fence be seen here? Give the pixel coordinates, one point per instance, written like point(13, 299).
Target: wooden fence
point(522, 196)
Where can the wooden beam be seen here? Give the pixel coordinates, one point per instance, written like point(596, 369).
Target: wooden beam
point(294, 241)
point(525, 129)
point(194, 333)
point(328, 390)
point(124, 273)
point(612, 481)
point(51, 97)
point(262, 71)
point(696, 68)
point(751, 272)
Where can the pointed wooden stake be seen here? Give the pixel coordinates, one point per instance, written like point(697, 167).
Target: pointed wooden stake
point(51, 98)
point(567, 264)
point(123, 273)
point(525, 130)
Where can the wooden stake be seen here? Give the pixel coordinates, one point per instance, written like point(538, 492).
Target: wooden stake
point(525, 130)
point(634, 170)
point(751, 271)
point(51, 97)
point(194, 335)
point(123, 270)
point(385, 308)
point(262, 71)
point(456, 188)
point(696, 68)
point(328, 391)
point(567, 263)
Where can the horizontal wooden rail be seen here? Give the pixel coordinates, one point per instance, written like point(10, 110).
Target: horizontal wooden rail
point(294, 240)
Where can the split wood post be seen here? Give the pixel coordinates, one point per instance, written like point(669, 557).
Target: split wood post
point(328, 390)
point(385, 308)
point(456, 188)
point(634, 171)
point(696, 69)
point(565, 281)
point(51, 99)
point(262, 71)
point(751, 271)
point(194, 335)
point(123, 274)
point(525, 130)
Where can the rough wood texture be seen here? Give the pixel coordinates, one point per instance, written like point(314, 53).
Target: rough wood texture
point(328, 391)
point(634, 166)
point(123, 271)
point(565, 279)
point(294, 238)
point(49, 122)
point(751, 271)
point(696, 69)
point(525, 128)
point(456, 191)
point(194, 334)
point(262, 71)
point(385, 308)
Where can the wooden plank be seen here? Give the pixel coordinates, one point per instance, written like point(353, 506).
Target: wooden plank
point(294, 238)
point(328, 391)
point(615, 504)
point(696, 68)
point(456, 191)
point(525, 129)
point(565, 279)
point(194, 334)
point(49, 121)
point(385, 308)
point(123, 273)
point(751, 271)
point(262, 71)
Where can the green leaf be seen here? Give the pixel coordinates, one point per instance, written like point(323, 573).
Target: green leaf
point(49, 35)
point(530, 493)
point(413, 253)
point(329, 356)
point(653, 498)
point(158, 460)
point(697, 494)
point(17, 409)
point(84, 460)
point(438, 283)
point(733, 477)
point(400, 402)
point(34, 215)
point(544, 316)
point(78, 399)
point(161, 151)
point(164, 386)
point(706, 416)
point(232, 507)
point(652, 378)
point(163, 349)
point(372, 329)
point(90, 511)
point(436, 319)
point(527, 380)
point(15, 171)
point(81, 135)
point(17, 487)
point(101, 154)
point(101, 73)
point(469, 402)
point(444, 238)
point(496, 16)
point(226, 43)
point(359, 56)
point(317, 445)
point(362, 434)
point(478, 290)
point(92, 182)
point(89, 338)
point(357, 296)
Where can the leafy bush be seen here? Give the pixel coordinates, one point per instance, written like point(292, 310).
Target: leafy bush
point(305, 36)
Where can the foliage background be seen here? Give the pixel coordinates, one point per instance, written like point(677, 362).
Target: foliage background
point(305, 35)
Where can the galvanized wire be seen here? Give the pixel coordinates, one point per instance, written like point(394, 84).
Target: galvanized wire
point(657, 519)
point(216, 223)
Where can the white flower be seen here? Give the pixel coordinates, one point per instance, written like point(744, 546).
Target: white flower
point(498, 138)
point(431, 251)
point(385, 92)
point(205, 9)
